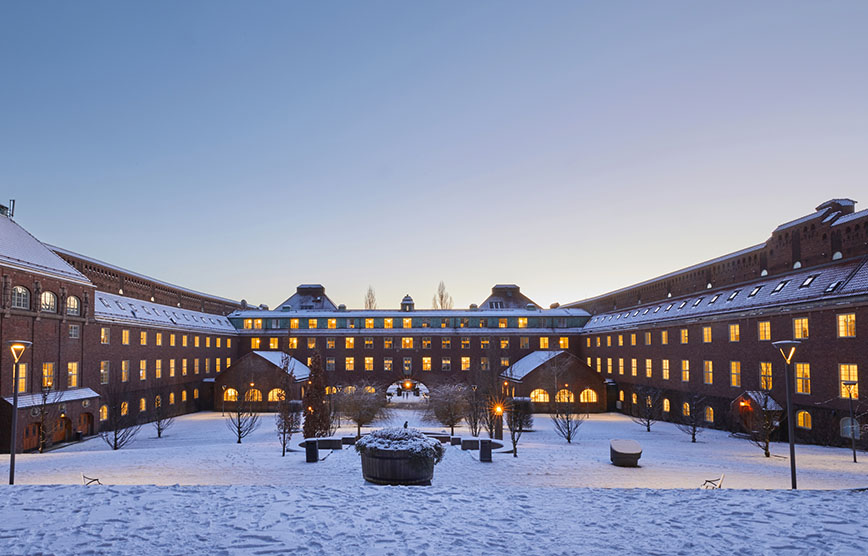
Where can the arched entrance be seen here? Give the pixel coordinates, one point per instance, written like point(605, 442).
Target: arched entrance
point(85, 424)
point(407, 391)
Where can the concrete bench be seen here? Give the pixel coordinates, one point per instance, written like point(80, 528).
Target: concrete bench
point(625, 453)
point(473, 444)
point(324, 443)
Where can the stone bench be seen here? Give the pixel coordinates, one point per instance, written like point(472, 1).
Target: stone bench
point(473, 444)
point(625, 453)
point(324, 443)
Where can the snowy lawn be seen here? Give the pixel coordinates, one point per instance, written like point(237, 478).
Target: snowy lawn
point(246, 499)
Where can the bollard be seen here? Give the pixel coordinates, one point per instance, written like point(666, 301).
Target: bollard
point(485, 450)
point(311, 450)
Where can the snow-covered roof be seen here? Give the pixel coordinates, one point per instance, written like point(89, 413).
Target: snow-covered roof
point(117, 308)
point(423, 313)
point(54, 397)
point(299, 370)
point(57, 249)
point(20, 249)
point(851, 217)
point(759, 397)
point(529, 363)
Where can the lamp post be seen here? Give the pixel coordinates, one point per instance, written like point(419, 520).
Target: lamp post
point(18, 347)
point(851, 384)
point(788, 350)
point(223, 412)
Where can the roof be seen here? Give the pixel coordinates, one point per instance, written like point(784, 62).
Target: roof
point(830, 281)
point(529, 363)
point(299, 370)
point(758, 397)
point(137, 275)
point(20, 249)
point(54, 397)
point(117, 308)
point(418, 313)
point(851, 217)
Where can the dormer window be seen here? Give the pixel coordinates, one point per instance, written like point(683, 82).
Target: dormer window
point(754, 291)
point(697, 302)
point(495, 304)
point(683, 304)
point(645, 312)
point(733, 295)
point(833, 286)
point(713, 299)
point(780, 286)
point(636, 313)
point(669, 307)
point(808, 281)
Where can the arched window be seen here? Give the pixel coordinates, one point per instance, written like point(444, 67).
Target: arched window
point(277, 395)
point(685, 409)
point(349, 389)
point(73, 306)
point(171, 398)
point(230, 395)
point(103, 412)
point(588, 396)
point(143, 405)
point(370, 389)
point(331, 390)
point(20, 298)
point(803, 419)
point(709, 414)
point(195, 393)
point(635, 399)
point(183, 395)
point(125, 408)
point(48, 302)
point(621, 395)
point(666, 405)
point(564, 395)
point(253, 395)
point(158, 402)
point(539, 396)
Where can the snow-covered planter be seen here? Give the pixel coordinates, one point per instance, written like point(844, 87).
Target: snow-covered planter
point(398, 456)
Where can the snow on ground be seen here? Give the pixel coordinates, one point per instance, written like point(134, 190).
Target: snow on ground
point(244, 499)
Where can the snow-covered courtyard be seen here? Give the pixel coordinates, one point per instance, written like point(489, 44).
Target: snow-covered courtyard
point(218, 497)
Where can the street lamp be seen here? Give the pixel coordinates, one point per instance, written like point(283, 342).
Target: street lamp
point(18, 347)
point(223, 413)
point(851, 385)
point(788, 350)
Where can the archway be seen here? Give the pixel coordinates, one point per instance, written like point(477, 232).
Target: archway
point(407, 391)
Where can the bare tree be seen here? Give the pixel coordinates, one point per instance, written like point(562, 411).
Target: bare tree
point(567, 417)
point(288, 420)
point(762, 420)
point(442, 299)
point(163, 419)
point(519, 418)
point(448, 404)
point(475, 410)
point(649, 401)
point(242, 418)
point(361, 404)
point(120, 427)
point(692, 418)
point(49, 415)
point(370, 299)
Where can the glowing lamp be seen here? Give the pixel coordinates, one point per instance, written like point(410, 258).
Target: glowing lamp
point(787, 348)
point(18, 347)
point(407, 385)
point(498, 409)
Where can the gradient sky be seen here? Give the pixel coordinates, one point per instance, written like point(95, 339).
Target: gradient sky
point(242, 148)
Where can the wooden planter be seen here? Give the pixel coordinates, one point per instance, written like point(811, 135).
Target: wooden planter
point(394, 467)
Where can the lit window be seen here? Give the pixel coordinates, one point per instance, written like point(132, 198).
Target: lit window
point(648, 368)
point(426, 342)
point(803, 419)
point(803, 378)
point(620, 339)
point(634, 367)
point(504, 361)
point(764, 329)
point(172, 397)
point(369, 363)
point(465, 363)
point(311, 343)
point(665, 369)
point(445, 364)
point(408, 322)
point(48, 302)
point(564, 342)
point(293, 343)
point(632, 339)
point(217, 364)
point(848, 372)
point(350, 363)
point(539, 396)
point(544, 342)
point(588, 396)
point(800, 328)
point(158, 368)
point(293, 323)
point(254, 343)
point(73, 306)
point(522, 322)
point(685, 370)
point(765, 375)
point(387, 343)
point(620, 365)
point(125, 408)
point(20, 298)
point(387, 364)
point(369, 323)
point(664, 337)
point(847, 325)
point(332, 323)
point(408, 365)
point(257, 323)
point(196, 366)
point(685, 409)
point(465, 343)
point(369, 343)
point(734, 333)
point(184, 340)
point(407, 342)
point(706, 334)
point(248, 324)
point(666, 405)
point(708, 372)
point(588, 342)
point(125, 337)
point(684, 336)
point(104, 372)
point(229, 395)
point(621, 395)
point(125, 371)
point(709, 414)
point(735, 373)
point(564, 396)
point(47, 375)
point(184, 367)
point(172, 340)
point(387, 323)
point(504, 343)
point(196, 341)
point(349, 343)
point(426, 363)
point(272, 343)
point(171, 368)
point(484, 343)
point(446, 343)
point(103, 412)
point(143, 405)
point(609, 365)
point(501, 323)
point(330, 363)
point(143, 369)
point(72, 377)
point(599, 365)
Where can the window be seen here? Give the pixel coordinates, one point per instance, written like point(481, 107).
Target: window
point(608, 341)
point(734, 333)
point(665, 369)
point(332, 323)
point(484, 343)
point(764, 329)
point(803, 419)
point(184, 367)
point(800, 328)
point(143, 405)
point(501, 323)
point(20, 298)
point(539, 396)
point(311, 343)
point(387, 323)
point(445, 364)
point(254, 343)
point(184, 340)
point(754, 291)
point(735, 374)
point(407, 343)
point(765, 375)
point(48, 302)
point(803, 378)
point(683, 335)
point(408, 365)
point(196, 341)
point(217, 364)
point(73, 306)
point(808, 281)
point(465, 343)
point(159, 339)
point(228, 343)
point(349, 343)
point(369, 343)
point(706, 334)
point(387, 364)
point(465, 363)
point(522, 322)
point(709, 414)
point(426, 363)
point(666, 405)
point(407, 322)
point(125, 337)
point(588, 396)
point(72, 377)
point(564, 396)
point(847, 325)
point(103, 412)
point(685, 370)
point(780, 286)
point(446, 343)
point(849, 372)
point(564, 342)
point(632, 339)
point(620, 339)
point(350, 363)
point(369, 323)
point(257, 323)
point(248, 324)
point(544, 342)
point(143, 369)
point(311, 323)
point(609, 365)
point(276, 395)
point(293, 323)
point(387, 343)
point(104, 335)
point(47, 375)
point(125, 408)
point(103, 372)
point(208, 341)
point(589, 361)
point(196, 366)
point(426, 342)
point(634, 367)
point(685, 409)
point(293, 343)
point(504, 343)
point(74, 331)
point(664, 337)
point(733, 295)
point(599, 365)
point(620, 365)
point(647, 338)
point(252, 395)
point(172, 340)
point(708, 372)
point(504, 361)
point(648, 366)
point(272, 343)
point(172, 397)
point(125, 371)
point(369, 363)
point(158, 368)
point(330, 363)
point(484, 364)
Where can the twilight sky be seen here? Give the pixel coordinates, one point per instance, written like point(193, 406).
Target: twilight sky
point(242, 148)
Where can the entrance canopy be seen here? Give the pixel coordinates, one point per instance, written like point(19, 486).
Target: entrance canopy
point(54, 397)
